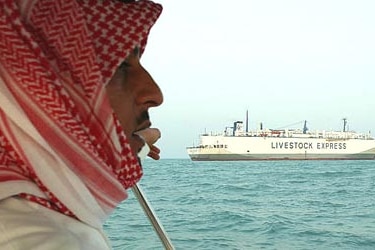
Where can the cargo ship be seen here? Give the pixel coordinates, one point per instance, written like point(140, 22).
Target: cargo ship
point(237, 143)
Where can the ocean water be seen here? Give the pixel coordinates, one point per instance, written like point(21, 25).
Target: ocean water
point(252, 205)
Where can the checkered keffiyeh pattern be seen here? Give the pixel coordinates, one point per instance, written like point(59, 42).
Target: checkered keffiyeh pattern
point(60, 144)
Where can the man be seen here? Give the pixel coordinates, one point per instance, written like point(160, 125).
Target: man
point(74, 103)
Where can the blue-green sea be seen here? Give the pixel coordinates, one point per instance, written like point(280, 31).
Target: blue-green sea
point(251, 205)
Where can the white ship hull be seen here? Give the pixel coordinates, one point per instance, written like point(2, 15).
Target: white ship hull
point(225, 148)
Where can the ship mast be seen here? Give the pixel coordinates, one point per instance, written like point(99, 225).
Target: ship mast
point(345, 122)
point(247, 121)
point(305, 127)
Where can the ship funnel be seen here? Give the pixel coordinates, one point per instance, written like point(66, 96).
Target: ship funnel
point(237, 127)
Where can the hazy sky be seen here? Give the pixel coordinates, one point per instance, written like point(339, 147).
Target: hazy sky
point(284, 61)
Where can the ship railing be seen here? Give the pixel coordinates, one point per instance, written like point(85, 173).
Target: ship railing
point(298, 133)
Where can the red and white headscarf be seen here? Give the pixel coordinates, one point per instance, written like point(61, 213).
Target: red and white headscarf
point(60, 143)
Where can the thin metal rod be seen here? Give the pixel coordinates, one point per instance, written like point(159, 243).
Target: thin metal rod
point(152, 217)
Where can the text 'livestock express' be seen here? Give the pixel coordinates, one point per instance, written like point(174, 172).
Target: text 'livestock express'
point(308, 145)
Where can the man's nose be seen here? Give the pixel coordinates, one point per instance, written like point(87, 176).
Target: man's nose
point(150, 94)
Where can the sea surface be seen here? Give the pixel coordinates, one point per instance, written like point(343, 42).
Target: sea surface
point(251, 205)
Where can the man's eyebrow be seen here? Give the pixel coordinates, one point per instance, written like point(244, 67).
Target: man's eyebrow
point(136, 51)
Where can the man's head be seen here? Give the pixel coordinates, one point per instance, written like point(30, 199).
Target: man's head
point(131, 92)
point(59, 93)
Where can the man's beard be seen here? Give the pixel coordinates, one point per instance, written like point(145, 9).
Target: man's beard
point(143, 117)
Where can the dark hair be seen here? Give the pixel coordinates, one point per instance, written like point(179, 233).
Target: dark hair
point(127, 1)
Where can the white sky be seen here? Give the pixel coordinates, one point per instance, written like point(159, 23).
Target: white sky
point(282, 60)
